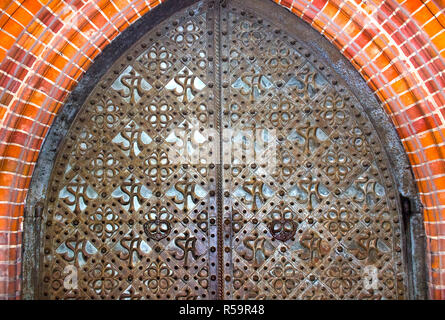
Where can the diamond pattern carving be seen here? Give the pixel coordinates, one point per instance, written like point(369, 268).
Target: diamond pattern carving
point(317, 234)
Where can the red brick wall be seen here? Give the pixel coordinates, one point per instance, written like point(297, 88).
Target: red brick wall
point(398, 46)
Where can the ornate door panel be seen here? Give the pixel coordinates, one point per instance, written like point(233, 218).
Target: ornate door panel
point(219, 159)
point(129, 207)
point(309, 209)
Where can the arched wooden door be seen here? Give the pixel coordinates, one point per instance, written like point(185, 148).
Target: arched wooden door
point(218, 158)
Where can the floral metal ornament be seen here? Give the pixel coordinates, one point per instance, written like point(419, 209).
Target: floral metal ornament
point(158, 225)
point(282, 223)
point(159, 277)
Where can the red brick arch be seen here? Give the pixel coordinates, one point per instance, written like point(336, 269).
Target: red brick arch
point(398, 46)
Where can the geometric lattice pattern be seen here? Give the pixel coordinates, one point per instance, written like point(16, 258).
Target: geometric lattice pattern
point(126, 207)
point(325, 221)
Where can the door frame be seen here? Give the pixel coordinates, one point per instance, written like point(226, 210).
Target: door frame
point(413, 236)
